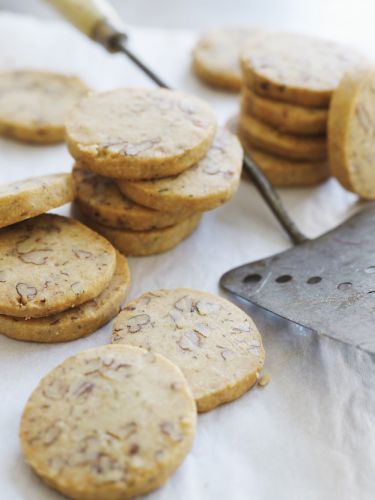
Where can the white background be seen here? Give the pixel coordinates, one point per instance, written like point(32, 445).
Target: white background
point(310, 433)
point(351, 19)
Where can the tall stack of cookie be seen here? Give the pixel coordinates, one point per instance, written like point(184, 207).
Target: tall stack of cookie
point(59, 280)
point(148, 163)
point(288, 83)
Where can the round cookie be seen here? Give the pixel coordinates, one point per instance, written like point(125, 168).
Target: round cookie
point(216, 57)
point(283, 116)
point(216, 345)
point(295, 68)
point(21, 200)
point(100, 199)
point(50, 263)
point(273, 141)
point(34, 104)
point(75, 322)
point(351, 129)
point(140, 133)
point(210, 183)
point(289, 173)
point(108, 423)
point(141, 243)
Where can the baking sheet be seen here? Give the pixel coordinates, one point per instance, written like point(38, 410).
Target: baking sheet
point(310, 434)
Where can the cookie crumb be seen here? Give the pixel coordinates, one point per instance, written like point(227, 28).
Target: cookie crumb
point(264, 380)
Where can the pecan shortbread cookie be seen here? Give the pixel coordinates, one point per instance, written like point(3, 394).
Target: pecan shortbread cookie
point(21, 200)
point(77, 321)
point(273, 141)
point(141, 243)
point(100, 199)
point(284, 116)
point(34, 104)
point(50, 263)
point(109, 423)
point(210, 183)
point(296, 68)
point(140, 133)
point(216, 56)
point(289, 173)
point(216, 345)
point(351, 131)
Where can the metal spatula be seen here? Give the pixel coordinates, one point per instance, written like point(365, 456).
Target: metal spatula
point(326, 284)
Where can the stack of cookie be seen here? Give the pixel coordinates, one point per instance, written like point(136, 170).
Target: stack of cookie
point(59, 280)
point(148, 163)
point(288, 83)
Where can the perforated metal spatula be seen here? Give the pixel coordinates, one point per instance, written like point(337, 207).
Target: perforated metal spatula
point(326, 284)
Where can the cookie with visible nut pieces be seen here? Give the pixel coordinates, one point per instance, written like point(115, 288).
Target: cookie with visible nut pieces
point(100, 199)
point(109, 423)
point(77, 321)
point(21, 200)
point(216, 56)
point(295, 68)
point(273, 141)
point(283, 116)
point(50, 263)
point(205, 186)
point(142, 243)
point(34, 104)
point(140, 133)
point(289, 173)
point(351, 130)
point(281, 171)
point(216, 345)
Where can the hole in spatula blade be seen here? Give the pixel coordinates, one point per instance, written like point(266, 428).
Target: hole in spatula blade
point(252, 278)
point(314, 280)
point(285, 278)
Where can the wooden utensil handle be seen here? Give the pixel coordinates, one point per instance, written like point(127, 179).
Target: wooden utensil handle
point(95, 18)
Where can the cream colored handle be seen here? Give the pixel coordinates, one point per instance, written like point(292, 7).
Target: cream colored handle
point(95, 18)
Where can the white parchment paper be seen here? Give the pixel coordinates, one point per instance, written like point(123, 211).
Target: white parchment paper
point(310, 434)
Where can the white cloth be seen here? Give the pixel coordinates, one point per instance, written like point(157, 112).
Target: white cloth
point(310, 433)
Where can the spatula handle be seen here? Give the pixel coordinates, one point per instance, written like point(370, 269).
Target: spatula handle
point(95, 18)
point(273, 200)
